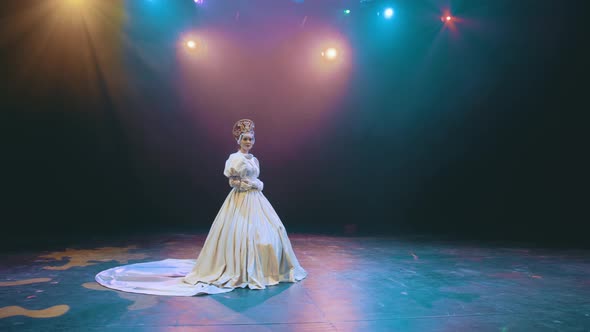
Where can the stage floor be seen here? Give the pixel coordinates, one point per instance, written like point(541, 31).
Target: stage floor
point(354, 284)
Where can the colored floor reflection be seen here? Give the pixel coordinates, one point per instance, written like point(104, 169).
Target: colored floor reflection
point(354, 284)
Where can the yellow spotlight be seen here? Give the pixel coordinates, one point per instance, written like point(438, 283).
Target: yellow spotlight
point(191, 44)
point(330, 53)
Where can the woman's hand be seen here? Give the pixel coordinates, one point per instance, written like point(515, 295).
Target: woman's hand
point(245, 184)
point(240, 184)
point(234, 182)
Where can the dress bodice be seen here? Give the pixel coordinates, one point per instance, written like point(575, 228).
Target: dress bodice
point(241, 165)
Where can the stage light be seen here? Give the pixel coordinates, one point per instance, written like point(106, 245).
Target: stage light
point(191, 44)
point(446, 18)
point(388, 13)
point(330, 53)
point(199, 2)
point(347, 11)
point(78, 4)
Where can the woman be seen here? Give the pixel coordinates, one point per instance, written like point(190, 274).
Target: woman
point(247, 245)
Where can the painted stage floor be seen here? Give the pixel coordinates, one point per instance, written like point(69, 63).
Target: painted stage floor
point(354, 284)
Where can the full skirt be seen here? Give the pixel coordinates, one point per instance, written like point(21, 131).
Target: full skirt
point(247, 246)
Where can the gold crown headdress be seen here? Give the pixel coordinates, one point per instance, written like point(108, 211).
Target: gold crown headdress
point(243, 126)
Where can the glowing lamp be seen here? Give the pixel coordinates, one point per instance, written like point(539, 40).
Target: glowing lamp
point(447, 18)
point(191, 44)
point(388, 13)
point(330, 53)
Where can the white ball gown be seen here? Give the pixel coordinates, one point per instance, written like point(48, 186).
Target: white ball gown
point(247, 246)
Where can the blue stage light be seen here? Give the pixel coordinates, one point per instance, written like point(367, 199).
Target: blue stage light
point(388, 13)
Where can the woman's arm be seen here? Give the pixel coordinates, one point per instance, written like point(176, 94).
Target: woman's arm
point(257, 184)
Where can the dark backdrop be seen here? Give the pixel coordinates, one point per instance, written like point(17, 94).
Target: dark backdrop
point(474, 130)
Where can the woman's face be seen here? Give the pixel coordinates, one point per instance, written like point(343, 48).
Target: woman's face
point(246, 142)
